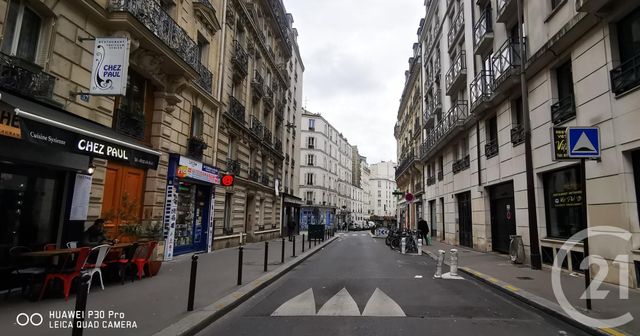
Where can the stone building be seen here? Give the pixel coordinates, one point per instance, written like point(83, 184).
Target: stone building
point(382, 184)
point(580, 58)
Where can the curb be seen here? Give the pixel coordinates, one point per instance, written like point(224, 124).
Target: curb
point(533, 300)
point(196, 321)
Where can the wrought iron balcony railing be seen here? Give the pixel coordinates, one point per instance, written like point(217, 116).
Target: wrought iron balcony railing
point(268, 97)
point(626, 76)
point(151, 15)
point(278, 146)
point(506, 10)
point(517, 135)
point(196, 147)
point(256, 127)
point(130, 123)
point(461, 165)
point(408, 157)
point(456, 29)
point(267, 136)
point(457, 74)
point(257, 84)
point(240, 59)
point(205, 78)
point(233, 166)
point(483, 33)
point(433, 106)
point(431, 180)
point(506, 62)
point(481, 88)
point(236, 110)
point(445, 128)
point(254, 175)
point(265, 179)
point(491, 148)
point(280, 114)
point(24, 78)
point(563, 111)
point(440, 175)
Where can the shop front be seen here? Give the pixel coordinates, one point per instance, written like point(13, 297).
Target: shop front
point(189, 204)
point(316, 216)
point(291, 212)
point(45, 170)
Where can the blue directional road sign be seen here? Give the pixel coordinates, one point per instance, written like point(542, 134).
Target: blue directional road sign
point(584, 142)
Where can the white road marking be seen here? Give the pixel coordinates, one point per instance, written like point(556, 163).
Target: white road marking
point(363, 235)
point(380, 304)
point(418, 277)
point(354, 235)
point(341, 304)
point(302, 305)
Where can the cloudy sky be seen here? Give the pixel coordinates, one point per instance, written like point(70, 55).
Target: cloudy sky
point(355, 53)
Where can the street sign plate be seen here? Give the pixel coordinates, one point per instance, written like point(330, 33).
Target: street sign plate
point(584, 142)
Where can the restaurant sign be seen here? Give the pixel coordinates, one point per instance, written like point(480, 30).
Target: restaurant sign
point(9, 122)
point(560, 150)
point(110, 66)
point(188, 168)
point(567, 199)
point(39, 133)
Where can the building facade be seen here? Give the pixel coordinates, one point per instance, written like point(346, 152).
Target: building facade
point(382, 184)
point(579, 58)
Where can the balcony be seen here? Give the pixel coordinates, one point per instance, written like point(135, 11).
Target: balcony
point(265, 179)
point(233, 167)
point(440, 175)
point(563, 111)
point(256, 127)
point(196, 147)
point(158, 22)
point(507, 11)
point(267, 137)
point(254, 175)
point(236, 110)
point(491, 148)
point(268, 98)
point(433, 107)
point(406, 160)
point(278, 146)
point(591, 6)
point(481, 91)
point(450, 126)
point(506, 66)
point(456, 30)
point(240, 60)
point(456, 77)
point(626, 76)
point(280, 115)
point(461, 165)
point(417, 187)
point(436, 67)
point(517, 135)
point(257, 85)
point(431, 180)
point(483, 34)
point(25, 78)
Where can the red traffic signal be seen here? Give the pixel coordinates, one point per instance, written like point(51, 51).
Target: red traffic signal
point(227, 180)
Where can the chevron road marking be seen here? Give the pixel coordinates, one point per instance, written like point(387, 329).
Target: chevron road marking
point(341, 304)
point(380, 304)
point(302, 305)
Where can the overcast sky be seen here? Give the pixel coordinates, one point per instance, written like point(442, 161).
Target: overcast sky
point(355, 53)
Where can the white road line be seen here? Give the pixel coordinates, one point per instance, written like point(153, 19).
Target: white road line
point(301, 305)
point(341, 304)
point(380, 304)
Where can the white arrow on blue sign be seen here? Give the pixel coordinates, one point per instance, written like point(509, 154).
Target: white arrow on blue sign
point(584, 142)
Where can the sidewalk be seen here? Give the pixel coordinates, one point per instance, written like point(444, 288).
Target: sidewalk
point(158, 302)
point(534, 287)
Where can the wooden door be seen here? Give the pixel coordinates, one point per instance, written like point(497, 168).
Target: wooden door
point(123, 196)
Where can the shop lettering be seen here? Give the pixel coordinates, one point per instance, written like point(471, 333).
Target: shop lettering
point(10, 119)
point(101, 149)
point(111, 71)
point(46, 138)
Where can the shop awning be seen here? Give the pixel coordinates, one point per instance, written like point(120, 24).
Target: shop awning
point(292, 199)
point(47, 125)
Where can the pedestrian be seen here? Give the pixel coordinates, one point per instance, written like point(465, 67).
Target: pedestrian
point(95, 234)
point(423, 229)
point(290, 228)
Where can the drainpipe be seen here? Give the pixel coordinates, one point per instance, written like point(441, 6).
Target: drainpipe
point(534, 245)
point(478, 151)
point(221, 62)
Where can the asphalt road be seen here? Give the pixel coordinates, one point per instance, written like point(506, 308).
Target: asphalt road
point(358, 275)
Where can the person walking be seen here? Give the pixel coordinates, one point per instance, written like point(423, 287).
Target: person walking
point(290, 228)
point(423, 228)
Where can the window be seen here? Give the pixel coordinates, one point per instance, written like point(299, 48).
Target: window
point(22, 32)
point(134, 110)
point(197, 123)
point(625, 77)
point(309, 196)
point(311, 142)
point(227, 213)
point(310, 159)
point(380, 203)
point(564, 109)
point(556, 3)
point(231, 148)
point(379, 193)
point(203, 50)
point(491, 127)
point(312, 124)
point(264, 165)
point(563, 195)
point(309, 178)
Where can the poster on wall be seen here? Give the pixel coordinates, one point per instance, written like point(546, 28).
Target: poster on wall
point(81, 194)
point(110, 66)
point(170, 214)
point(211, 221)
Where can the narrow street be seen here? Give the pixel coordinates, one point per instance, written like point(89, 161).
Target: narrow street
point(358, 286)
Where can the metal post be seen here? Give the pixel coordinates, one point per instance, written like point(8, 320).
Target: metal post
point(303, 242)
point(293, 247)
point(309, 240)
point(266, 255)
point(192, 281)
point(240, 265)
point(439, 264)
point(536, 261)
point(403, 245)
point(585, 224)
point(453, 264)
point(282, 261)
point(420, 246)
point(81, 304)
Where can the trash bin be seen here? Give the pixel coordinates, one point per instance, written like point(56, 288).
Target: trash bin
point(316, 231)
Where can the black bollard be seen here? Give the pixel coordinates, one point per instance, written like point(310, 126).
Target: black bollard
point(240, 265)
point(192, 281)
point(309, 240)
point(282, 251)
point(293, 248)
point(303, 242)
point(81, 304)
point(266, 254)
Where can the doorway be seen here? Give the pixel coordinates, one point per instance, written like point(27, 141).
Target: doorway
point(442, 218)
point(250, 211)
point(464, 219)
point(433, 219)
point(503, 216)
